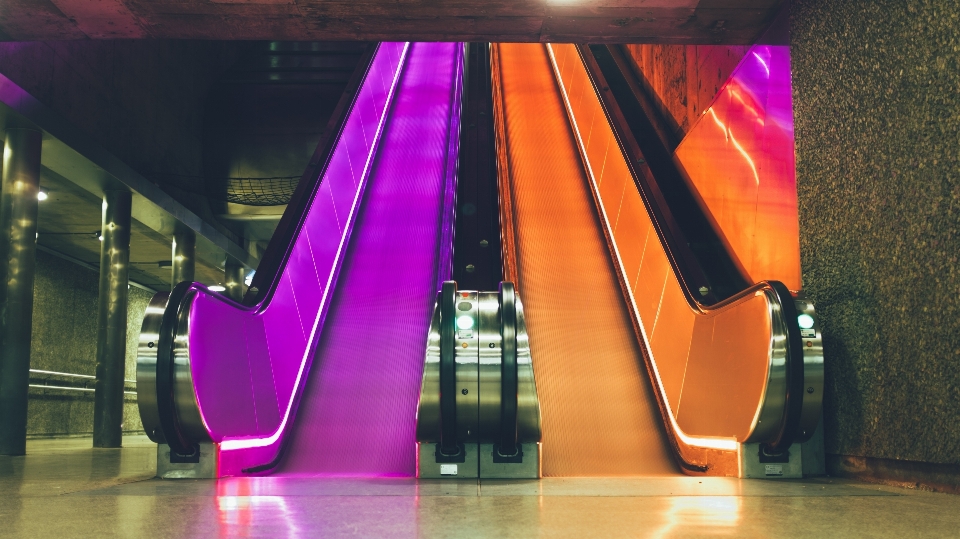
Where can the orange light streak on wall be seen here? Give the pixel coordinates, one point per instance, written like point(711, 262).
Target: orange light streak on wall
point(740, 160)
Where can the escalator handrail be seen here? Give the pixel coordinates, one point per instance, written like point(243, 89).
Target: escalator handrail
point(659, 150)
point(672, 241)
point(508, 238)
point(790, 427)
point(277, 254)
point(682, 260)
point(178, 304)
point(508, 370)
point(447, 298)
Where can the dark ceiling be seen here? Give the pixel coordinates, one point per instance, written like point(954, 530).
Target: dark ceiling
point(633, 21)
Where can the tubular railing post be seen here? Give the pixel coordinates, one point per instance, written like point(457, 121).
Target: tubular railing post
point(184, 262)
point(20, 181)
point(112, 319)
point(233, 279)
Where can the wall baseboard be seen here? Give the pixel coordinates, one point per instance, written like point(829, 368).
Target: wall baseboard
point(901, 473)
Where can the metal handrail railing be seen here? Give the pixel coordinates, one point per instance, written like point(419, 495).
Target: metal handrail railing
point(72, 375)
point(73, 388)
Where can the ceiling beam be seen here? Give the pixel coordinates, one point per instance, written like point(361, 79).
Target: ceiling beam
point(72, 154)
point(606, 21)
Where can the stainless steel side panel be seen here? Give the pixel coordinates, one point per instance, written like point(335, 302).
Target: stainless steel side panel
point(184, 394)
point(428, 409)
point(812, 371)
point(147, 367)
point(478, 376)
point(528, 469)
point(466, 355)
point(769, 414)
point(528, 402)
point(468, 389)
point(490, 342)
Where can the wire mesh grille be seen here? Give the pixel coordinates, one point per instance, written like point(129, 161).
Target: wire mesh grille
point(261, 191)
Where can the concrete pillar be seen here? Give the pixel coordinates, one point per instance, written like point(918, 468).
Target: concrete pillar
point(19, 184)
point(184, 257)
point(233, 279)
point(112, 320)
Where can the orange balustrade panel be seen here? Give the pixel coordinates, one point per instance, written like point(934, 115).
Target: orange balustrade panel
point(711, 366)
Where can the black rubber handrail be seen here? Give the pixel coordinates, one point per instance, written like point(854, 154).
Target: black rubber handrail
point(508, 446)
point(166, 406)
point(793, 405)
point(275, 258)
point(704, 258)
point(449, 445)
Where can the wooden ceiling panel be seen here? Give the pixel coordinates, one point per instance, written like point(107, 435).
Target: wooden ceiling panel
point(634, 21)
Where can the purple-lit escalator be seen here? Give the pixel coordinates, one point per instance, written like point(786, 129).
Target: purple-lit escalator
point(358, 413)
point(321, 377)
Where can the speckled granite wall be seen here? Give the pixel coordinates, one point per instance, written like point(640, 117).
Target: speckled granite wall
point(65, 340)
point(877, 106)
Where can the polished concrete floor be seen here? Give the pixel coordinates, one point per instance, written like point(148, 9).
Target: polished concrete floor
point(63, 488)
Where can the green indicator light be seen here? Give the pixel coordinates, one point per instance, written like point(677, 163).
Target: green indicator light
point(805, 321)
point(464, 322)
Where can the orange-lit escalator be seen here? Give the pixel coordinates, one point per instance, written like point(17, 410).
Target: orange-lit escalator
point(599, 412)
point(636, 374)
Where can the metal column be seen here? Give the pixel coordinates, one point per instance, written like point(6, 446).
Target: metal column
point(233, 279)
point(112, 320)
point(184, 257)
point(19, 184)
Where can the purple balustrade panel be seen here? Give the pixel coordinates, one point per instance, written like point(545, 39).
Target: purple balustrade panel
point(357, 416)
point(249, 365)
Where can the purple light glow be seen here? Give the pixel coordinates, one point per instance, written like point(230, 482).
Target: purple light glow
point(248, 366)
point(358, 413)
point(740, 158)
point(251, 367)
